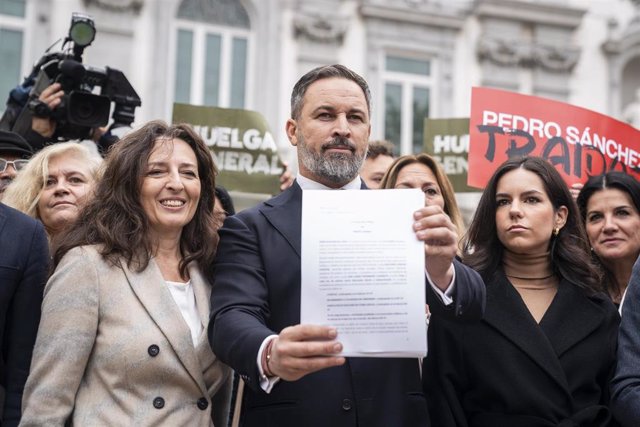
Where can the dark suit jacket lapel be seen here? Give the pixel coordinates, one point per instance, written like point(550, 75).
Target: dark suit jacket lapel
point(284, 213)
point(570, 318)
point(150, 289)
point(506, 312)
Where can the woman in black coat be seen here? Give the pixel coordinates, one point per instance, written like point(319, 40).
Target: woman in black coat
point(545, 351)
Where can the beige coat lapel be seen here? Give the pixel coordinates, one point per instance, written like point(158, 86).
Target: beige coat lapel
point(150, 289)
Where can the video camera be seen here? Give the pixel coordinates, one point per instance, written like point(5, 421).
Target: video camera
point(81, 108)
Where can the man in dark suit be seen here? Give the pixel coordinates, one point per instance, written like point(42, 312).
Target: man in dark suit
point(24, 262)
point(294, 372)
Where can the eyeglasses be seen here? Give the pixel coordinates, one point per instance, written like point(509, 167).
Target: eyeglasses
point(17, 164)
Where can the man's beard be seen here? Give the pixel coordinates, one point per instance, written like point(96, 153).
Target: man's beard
point(338, 168)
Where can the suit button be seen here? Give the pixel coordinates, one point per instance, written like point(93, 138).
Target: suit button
point(158, 403)
point(203, 403)
point(153, 350)
point(346, 404)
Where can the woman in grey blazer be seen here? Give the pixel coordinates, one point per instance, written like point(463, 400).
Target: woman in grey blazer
point(122, 340)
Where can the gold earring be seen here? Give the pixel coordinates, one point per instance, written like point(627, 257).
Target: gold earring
point(556, 231)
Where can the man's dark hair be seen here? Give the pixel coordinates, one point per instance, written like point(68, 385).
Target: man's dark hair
point(325, 72)
point(379, 148)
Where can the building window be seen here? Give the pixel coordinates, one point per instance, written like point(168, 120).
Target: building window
point(408, 93)
point(12, 25)
point(212, 54)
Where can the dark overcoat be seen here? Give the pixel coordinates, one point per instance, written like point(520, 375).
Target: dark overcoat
point(509, 370)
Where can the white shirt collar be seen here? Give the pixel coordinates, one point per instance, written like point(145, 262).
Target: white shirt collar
point(309, 184)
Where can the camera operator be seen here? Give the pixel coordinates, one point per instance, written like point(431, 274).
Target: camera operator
point(58, 101)
point(43, 126)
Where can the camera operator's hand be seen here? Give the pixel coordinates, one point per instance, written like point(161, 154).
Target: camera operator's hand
point(97, 133)
point(51, 97)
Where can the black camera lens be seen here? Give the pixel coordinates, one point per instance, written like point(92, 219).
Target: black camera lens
point(86, 109)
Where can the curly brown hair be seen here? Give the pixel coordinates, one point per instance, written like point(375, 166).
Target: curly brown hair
point(115, 219)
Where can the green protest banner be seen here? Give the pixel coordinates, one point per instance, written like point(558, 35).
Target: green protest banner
point(447, 140)
point(242, 146)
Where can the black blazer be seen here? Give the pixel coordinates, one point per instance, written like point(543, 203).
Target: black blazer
point(24, 261)
point(256, 293)
point(510, 371)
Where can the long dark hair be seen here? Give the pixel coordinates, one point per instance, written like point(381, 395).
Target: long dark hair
point(619, 181)
point(569, 257)
point(115, 219)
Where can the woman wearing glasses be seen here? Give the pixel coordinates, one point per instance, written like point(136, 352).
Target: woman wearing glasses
point(55, 184)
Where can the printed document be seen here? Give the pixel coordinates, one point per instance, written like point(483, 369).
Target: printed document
point(363, 270)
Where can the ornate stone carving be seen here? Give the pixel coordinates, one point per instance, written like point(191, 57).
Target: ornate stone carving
point(553, 58)
point(228, 13)
point(413, 3)
point(321, 29)
point(508, 53)
point(116, 5)
point(500, 52)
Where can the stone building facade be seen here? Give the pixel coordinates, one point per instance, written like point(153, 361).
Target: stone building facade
point(421, 57)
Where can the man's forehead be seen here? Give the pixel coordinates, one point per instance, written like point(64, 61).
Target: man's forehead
point(336, 88)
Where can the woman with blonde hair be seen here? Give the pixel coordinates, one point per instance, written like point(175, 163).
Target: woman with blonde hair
point(55, 184)
point(423, 172)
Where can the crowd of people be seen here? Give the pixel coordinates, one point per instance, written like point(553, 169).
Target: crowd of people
point(132, 293)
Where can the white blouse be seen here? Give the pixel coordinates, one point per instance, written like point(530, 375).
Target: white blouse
point(184, 297)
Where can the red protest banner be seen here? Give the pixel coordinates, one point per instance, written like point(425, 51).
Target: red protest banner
point(580, 143)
